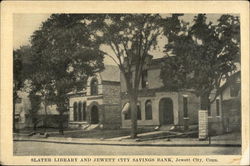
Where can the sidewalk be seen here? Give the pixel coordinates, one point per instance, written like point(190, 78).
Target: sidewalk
point(232, 139)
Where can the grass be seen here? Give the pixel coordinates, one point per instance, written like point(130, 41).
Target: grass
point(41, 130)
point(98, 133)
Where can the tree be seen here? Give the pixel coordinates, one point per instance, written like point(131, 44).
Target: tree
point(64, 55)
point(20, 68)
point(200, 55)
point(130, 37)
point(35, 101)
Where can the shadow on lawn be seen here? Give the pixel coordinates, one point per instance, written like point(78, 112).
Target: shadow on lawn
point(100, 133)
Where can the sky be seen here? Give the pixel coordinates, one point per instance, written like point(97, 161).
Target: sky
point(25, 24)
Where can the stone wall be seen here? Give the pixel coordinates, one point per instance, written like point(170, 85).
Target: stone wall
point(111, 93)
point(111, 105)
point(112, 116)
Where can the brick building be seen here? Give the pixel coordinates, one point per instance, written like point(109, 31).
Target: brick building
point(99, 103)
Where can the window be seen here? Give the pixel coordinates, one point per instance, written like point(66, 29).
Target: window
point(94, 87)
point(84, 111)
point(209, 110)
point(138, 111)
point(217, 107)
point(148, 110)
point(144, 79)
point(80, 111)
point(234, 89)
point(75, 111)
point(185, 106)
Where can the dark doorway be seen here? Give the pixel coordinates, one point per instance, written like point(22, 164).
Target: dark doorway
point(166, 111)
point(94, 115)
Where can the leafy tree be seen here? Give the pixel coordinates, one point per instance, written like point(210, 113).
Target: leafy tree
point(64, 55)
point(130, 37)
point(35, 101)
point(200, 55)
point(20, 68)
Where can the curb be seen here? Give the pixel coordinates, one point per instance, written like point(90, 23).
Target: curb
point(128, 144)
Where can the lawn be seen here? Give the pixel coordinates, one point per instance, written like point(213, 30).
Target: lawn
point(99, 133)
point(41, 130)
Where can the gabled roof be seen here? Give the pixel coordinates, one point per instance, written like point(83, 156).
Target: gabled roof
point(110, 73)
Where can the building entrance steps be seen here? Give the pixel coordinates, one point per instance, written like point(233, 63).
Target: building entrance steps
point(167, 127)
point(92, 127)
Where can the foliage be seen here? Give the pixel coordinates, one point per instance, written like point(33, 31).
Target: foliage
point(63, 57)
point(35, 101)
point(201, 54)
point(130, 37)
point(20, 69)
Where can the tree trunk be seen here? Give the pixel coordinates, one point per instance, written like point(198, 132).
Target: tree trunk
point(34, 126)
point(14, 110)
point(204, 100)
point(46, 114)
point(133, 108)
point(34, 121)
point(61, 123)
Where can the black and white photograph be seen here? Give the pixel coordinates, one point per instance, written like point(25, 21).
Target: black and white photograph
point(126, 84)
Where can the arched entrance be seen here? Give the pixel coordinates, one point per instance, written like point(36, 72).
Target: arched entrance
point(94, 115)
point(166, 111)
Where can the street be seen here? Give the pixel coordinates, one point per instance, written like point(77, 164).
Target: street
point(42, 148)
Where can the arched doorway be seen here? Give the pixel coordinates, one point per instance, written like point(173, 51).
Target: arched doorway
point(166, 111)
point(94, 115)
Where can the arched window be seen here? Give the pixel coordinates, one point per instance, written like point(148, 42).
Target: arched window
point(84, 111)
point(148, 110)
point(75, 111)
point(79, 111)
point(94, 87)
point(138, 111)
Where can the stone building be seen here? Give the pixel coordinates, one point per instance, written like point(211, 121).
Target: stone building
point(158, 106)
point(99, 102)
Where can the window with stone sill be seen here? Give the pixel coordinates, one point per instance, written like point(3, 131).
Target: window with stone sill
point(144, 79)
point(138, 111)
point(185, 107)
point(217, 107)
point(148, 110)
point(94, 87)
point(75, 111)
